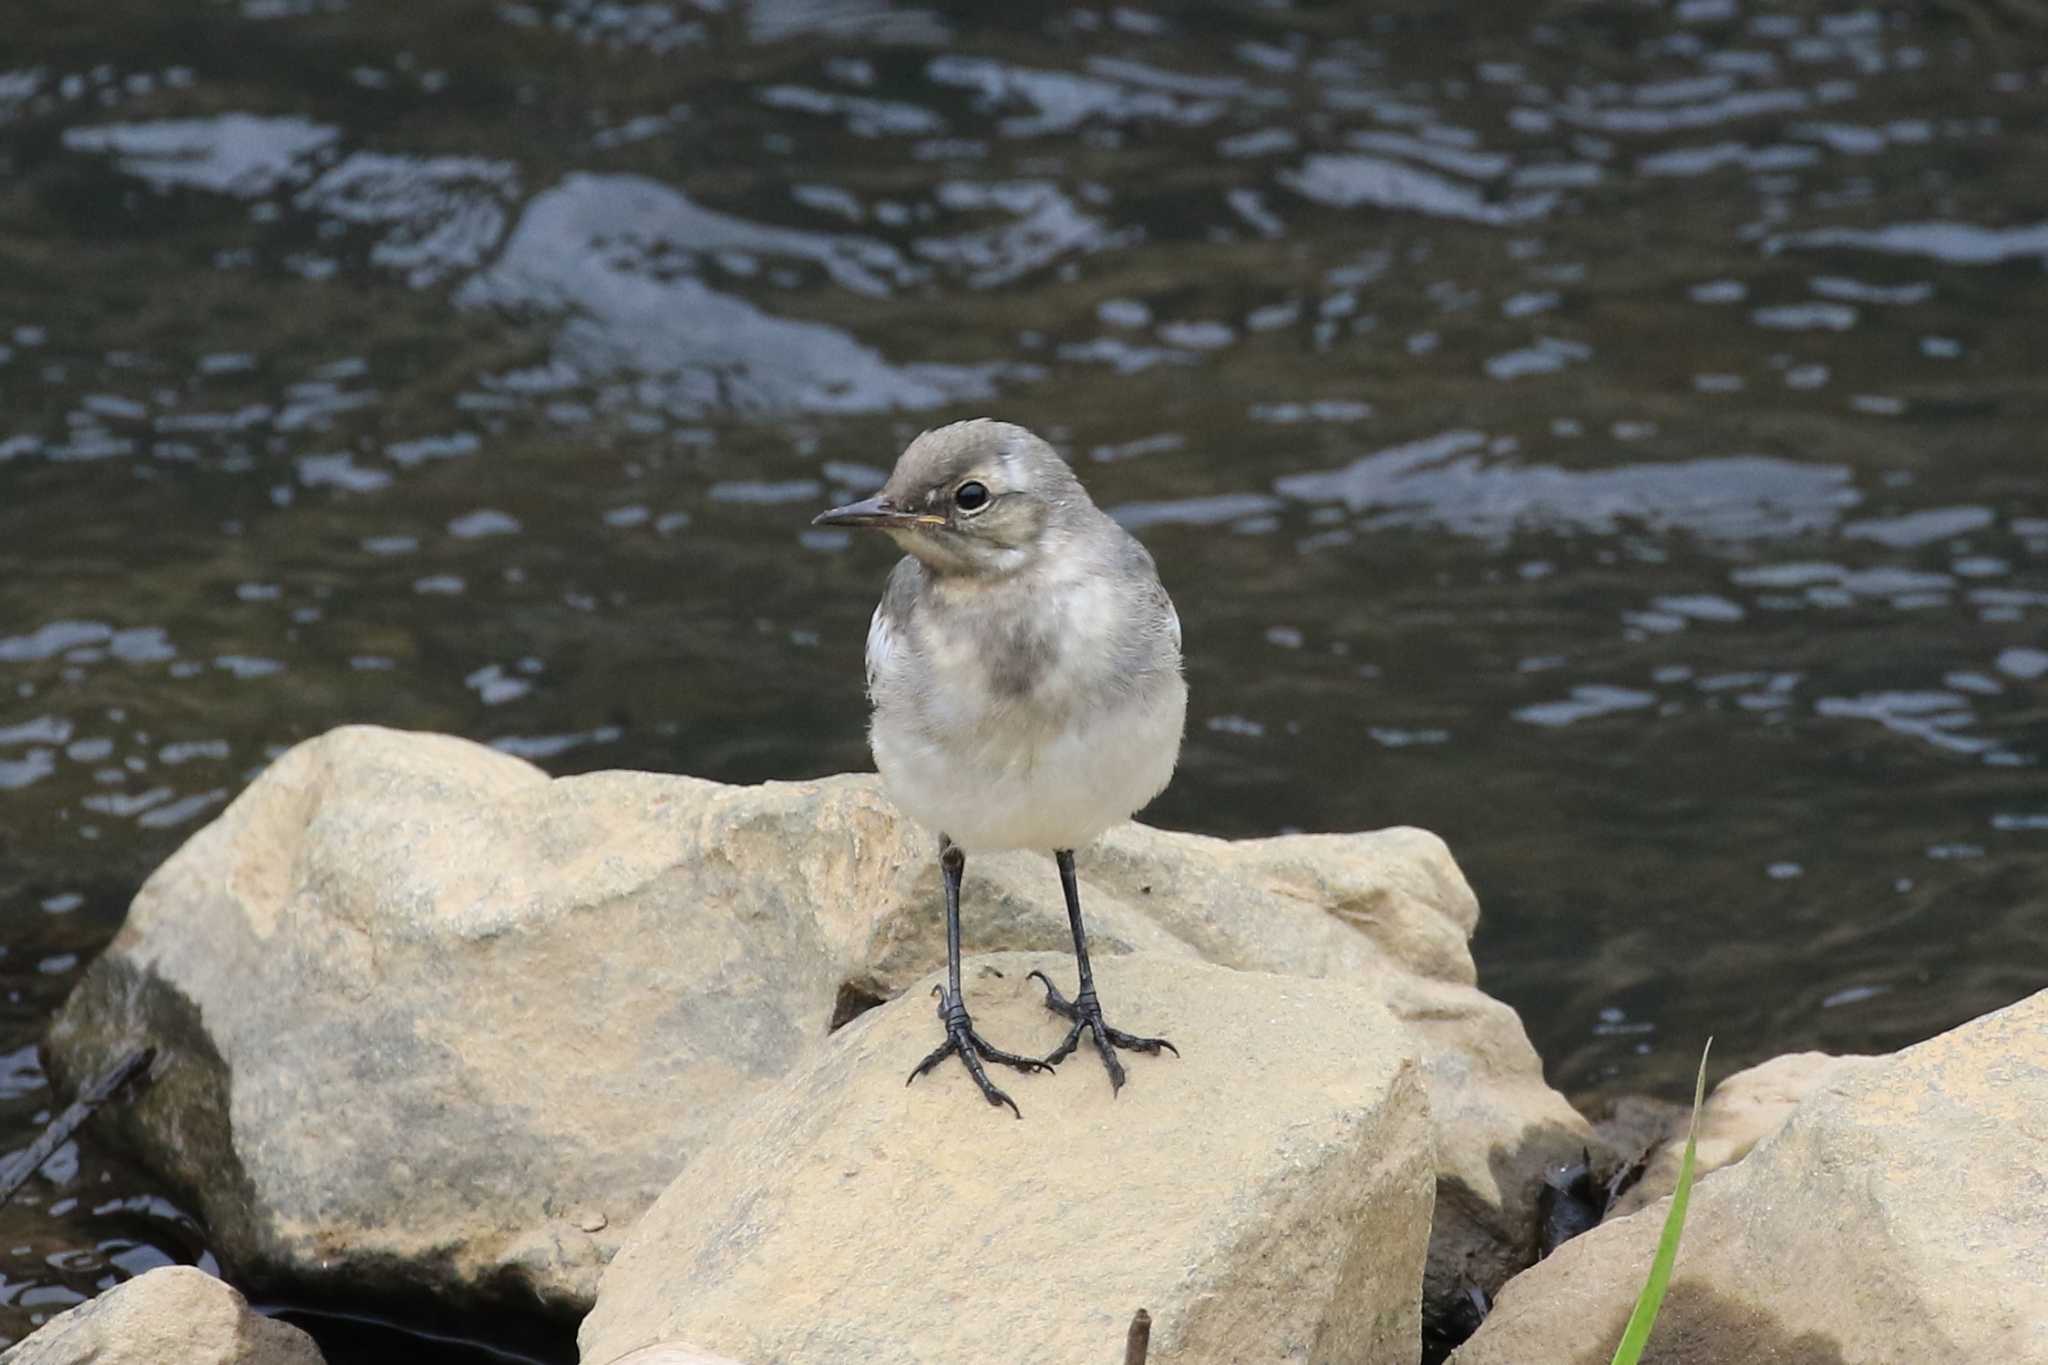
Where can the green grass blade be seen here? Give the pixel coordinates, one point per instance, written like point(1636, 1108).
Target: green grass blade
point(1637, 1335)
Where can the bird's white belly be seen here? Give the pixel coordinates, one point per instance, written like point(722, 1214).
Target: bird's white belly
point(1053, 789)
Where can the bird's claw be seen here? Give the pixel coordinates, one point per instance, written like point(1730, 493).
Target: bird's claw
point(971, 1048)
point(1086, 1012)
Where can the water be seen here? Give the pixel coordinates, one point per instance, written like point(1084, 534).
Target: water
point(1607, 435)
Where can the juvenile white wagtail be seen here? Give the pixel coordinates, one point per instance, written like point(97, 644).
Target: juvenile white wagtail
point(1024, 668)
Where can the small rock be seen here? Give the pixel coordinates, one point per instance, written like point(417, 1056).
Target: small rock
point(1744, 1109)
point(1899, 1214)
point(1633, 1129)
point(173, 1315)
point(1266, 1195)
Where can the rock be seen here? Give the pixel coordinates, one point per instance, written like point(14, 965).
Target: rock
point(430, 1018)
point(1744, 1109)
point(1389, 907)
point(436, 1024)
point(172, 1313)
point(1633, 1128)
point(1899, 1214)
point(669, 1354)
point(1266, 1196)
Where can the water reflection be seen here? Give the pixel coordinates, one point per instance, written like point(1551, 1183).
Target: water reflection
point(1350, 181)
point(439, 214)
point(1952, 243)
point(239, 154)
point(619, 256)
point(1449, 481)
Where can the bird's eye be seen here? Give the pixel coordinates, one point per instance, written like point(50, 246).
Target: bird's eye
point(970, 496)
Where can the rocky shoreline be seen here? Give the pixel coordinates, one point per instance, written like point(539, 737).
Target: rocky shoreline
point(629, 1048)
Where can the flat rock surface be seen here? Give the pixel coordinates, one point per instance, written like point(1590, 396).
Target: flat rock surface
point(1266, 1196)
point(173, 1315)
point(1899, 1215)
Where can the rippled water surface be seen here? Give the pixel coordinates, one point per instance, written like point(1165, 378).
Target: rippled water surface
point(1606, 434)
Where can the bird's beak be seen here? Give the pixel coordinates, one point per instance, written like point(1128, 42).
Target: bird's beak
point(876, 511)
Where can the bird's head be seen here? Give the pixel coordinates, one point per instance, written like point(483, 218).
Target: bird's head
point(979, 497)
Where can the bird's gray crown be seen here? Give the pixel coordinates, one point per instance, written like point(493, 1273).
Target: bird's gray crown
point(1004, 457)
point(977, 498)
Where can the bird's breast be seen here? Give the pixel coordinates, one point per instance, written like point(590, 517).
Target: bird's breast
point(1024, 660)
point(1006, 774)
point(1029, 718)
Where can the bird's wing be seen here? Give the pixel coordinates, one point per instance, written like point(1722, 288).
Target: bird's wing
point(886, 631)
point(1163, 616)
point(881, 639)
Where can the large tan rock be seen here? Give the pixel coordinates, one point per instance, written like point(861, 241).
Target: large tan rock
point(1266, 1196)
point(1744, 1109)
point(170, 1314)
point(434, 1022)
point(1388, 908)
point(1899, 1215)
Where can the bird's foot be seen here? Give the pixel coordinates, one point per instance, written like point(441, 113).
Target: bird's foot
point(1086, 1013)
point(963, 1042)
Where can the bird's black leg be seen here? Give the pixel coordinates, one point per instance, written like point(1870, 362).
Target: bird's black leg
point(961, 1039)
point(1085, 1010)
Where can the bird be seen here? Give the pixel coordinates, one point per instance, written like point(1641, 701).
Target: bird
point(1024, 675)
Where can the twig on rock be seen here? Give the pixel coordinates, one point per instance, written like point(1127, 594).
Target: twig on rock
point(1139, 1342)
point(91, 1096)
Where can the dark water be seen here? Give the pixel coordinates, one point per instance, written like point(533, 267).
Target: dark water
point(1607, 434)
